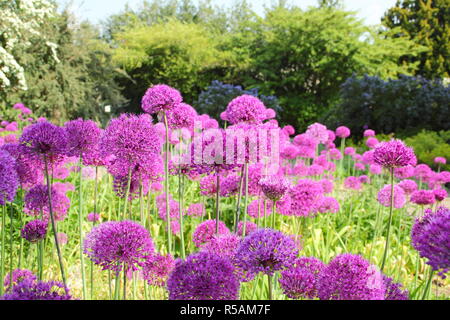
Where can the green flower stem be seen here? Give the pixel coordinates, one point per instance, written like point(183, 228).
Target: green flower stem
point(386, 246)
point(238, 206)
point(166, 187)
point(269, 279)
point(80, 228)
point(180, 190)
point(245, 199)
point(2, 257)
point(217, 201)
point(427, 290)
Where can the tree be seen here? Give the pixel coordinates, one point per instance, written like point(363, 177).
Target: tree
point(427, 23)
point(302, 57)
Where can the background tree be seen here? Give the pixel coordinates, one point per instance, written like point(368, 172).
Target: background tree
point(427, 23)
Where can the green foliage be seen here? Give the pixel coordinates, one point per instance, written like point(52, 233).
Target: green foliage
point(429, 145)
point(303, 56)
point(427, 23)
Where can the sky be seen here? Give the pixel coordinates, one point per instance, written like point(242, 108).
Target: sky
point(97, 10)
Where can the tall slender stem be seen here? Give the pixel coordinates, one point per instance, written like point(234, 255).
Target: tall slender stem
point(217, 201)
point(269, 279)
point(93, 224)
point(124, 283)
point(80, 227)
point(127, 194)
point(238, 206)
point(166, 187)
point(52, 218)
point(426, 292)
point(245, 199)
point(11, 228)
point(180, 190)
point(2, 257)
point(386, 246)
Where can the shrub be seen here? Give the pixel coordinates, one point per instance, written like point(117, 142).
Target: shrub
point(429, 145)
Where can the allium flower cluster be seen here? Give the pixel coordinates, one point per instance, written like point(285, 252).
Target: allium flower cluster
point(249, 228)
point(182, 116)
point(37, 202)
point(393, 154)
point(115, 245)
point(267, 251)
point(206, 230)
point(9, 180)
point(430, 236)
point(423, 197)
point(159, 98)
point(351, 277)
point(274, 187)
point(34, 231)
point(328, 205)
point(343, 132)
point(409, 186)
point(18, 275)
point(196, 210)
point(394, 290)
point(82, 136)
point(305, 197)
point(353, 183)
point(156, 270)
point(245, 108)
point(30, 289)
point(384, 196)
point(318, 131)
point(203, 276)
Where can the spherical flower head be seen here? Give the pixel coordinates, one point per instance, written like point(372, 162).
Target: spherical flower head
point(430, 236)
point(224, 245)
point(393, 154)
point(335, 154)
point(384, 196)
point(409, 186)
point(246, 108)
point(289, 130)
point(343, 132)
point(156, 269)
point(9, 180)
point(44, 138)
point(315, 170)
point(300, 280)
point(353, 183)
point(174, 209)
point(328, 205)
point(327, 185)
point(349, 151)
point(37, 202)
point(266, 251)
point(440, 194)
point(306, 141)
point(82, 136)
point(319, 132)
point(34, 231)
point(440, 160)
point(93, 217)
point(38, 290)
point(249, 228)
point(350, 277)
point(404, 172)
point(369, 133)
point(422, 171)
point(305, 197)
point(115, 245)
point(274, 187)
point(360, 166)
point(132, 140)
point(372, 142)
point(206, 230)
point(423, 197)
point(196, 210)
point(394, 290)
point(364, 179)
point(181, 116)
point(18, 275)
point(159, 98)
point(203, 276)
point(229, 185)
point(256, 208)
point(290, 152)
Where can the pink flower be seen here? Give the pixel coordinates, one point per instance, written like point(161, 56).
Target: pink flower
point(343, 132)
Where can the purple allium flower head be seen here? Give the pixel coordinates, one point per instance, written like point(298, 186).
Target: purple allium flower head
point(315, 170)
point(229, 185)
point(440, 194)
point(208, 185)
point(369, 133)
point(422, 171)
point(37, 290)
point(440, 160)
point(18, 275)
point(351, 277)
point(117, 244)
point(349, 151)
point(44, 138)
point(335, 154)
point(159, 98)
point(360, 166)
point(181, 116)
point(93, 217)
point(423, 197)
point(409, 186)
point(245, 108)
point(203, 276)
point(306, 141)
point(327, 185)
point(375, 169)
point(267, 251)
point(394, 290)
point(300, 280)
point(372, 142)
point(430, 235)
point(364, 179)
point(404, 172)
point(34, 231)
point(328, 205)
point(343, 132)
point(37, 202)
point(196, 210)
point(353, 183)
point(249, 228)
point(274, 187)
point(393, 154)
point(318, 131)
point(132, 140)
point(224, 245)
point(256, 208)
point(289, 130)
point(9, 180)
point(384, 196)
point(206, 230)
point(156, 270)
point(305, 197)
point(82, 136)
